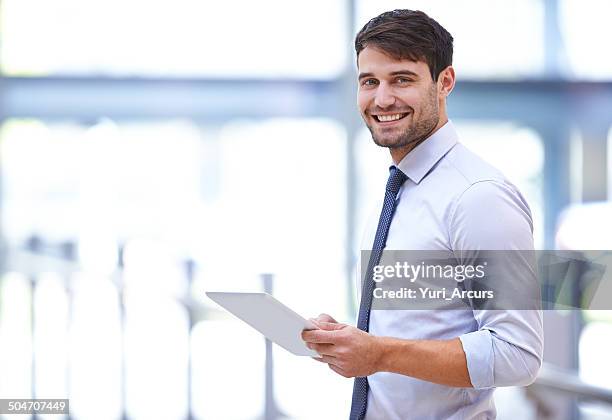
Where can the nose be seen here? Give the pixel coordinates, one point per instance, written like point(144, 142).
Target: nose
point(384, 96)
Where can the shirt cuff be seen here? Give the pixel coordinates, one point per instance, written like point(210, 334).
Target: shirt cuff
point(478, 348)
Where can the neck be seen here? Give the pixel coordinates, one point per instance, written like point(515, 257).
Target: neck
point(399, 153)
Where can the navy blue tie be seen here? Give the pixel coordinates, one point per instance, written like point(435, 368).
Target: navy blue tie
point(396, 179)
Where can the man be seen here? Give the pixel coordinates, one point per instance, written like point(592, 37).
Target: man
point(434, 364)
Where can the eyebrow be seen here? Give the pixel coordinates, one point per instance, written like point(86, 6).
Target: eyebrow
point(393, 73)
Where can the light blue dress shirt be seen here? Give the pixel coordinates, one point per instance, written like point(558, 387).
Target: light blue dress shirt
point(454, 201)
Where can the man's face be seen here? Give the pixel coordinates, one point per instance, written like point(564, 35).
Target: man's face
point(398, 99)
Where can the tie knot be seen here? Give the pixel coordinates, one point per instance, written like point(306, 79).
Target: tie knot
point(396, 179)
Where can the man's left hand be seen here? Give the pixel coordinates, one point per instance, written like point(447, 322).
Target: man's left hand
point(347, 350)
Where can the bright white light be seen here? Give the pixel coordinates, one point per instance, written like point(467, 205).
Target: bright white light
point(586, 30)
point(105, 183)
point(595, 343)
point(152, 269)
point(98, 251)
point(51, 323)
point(240, 38)
point(15, 336)
point(333, 392)
point(156, 334)
point(585, 226)
point(95, 349)
point(283, 208)
point(228, 370)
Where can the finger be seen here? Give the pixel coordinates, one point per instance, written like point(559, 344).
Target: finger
point(322, 349)
point(331, 326)
point(315, 322)
point(326, 318)
point(325, 359)
point(319, 336)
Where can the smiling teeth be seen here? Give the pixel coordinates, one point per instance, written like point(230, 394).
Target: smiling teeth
point(385, 118)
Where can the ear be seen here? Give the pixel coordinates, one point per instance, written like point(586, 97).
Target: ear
point(446, 81)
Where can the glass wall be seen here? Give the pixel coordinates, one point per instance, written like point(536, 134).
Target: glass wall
point(188, 38)
point(237, 200)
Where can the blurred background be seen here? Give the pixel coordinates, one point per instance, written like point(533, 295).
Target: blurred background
point(150, 151)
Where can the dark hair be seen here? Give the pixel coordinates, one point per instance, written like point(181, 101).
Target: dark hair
point(408, 34)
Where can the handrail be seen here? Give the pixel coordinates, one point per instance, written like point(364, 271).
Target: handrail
point(567, 381)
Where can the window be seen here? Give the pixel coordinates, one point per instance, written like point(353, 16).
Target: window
point(268, 38)
point(585, 29)
point(240, 199)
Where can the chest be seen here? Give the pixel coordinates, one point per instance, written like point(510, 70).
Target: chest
point(420, 222)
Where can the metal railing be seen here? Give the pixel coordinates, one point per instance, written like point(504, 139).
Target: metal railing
point(557, 382)
point(35, 256)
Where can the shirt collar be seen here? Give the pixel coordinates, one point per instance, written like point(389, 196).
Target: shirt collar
point(420, 160)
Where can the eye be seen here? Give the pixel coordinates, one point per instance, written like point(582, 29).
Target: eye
point(403, 80)
point(369, 82)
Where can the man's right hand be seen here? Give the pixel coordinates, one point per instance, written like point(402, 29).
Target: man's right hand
point(323, 318)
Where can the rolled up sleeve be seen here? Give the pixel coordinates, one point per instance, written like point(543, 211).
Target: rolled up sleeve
point(507, 352)
point(478, 350)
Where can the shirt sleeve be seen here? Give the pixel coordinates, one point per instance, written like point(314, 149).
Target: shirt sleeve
point(507, 348)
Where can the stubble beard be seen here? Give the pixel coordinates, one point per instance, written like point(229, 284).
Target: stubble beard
point(418, 131)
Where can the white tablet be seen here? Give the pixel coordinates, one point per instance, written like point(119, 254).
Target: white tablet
point(270, 317)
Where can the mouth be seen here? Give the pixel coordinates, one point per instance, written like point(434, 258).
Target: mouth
point(389, 119)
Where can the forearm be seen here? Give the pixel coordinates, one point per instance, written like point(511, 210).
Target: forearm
point(439, 361)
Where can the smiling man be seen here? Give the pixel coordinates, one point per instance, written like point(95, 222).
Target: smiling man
point(399, 101)
point(429, 364)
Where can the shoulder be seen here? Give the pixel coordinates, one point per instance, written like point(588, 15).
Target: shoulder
point(459, 171)
point(491, 214)
point(471, 167)
point(479, 181)
point(488, 211)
